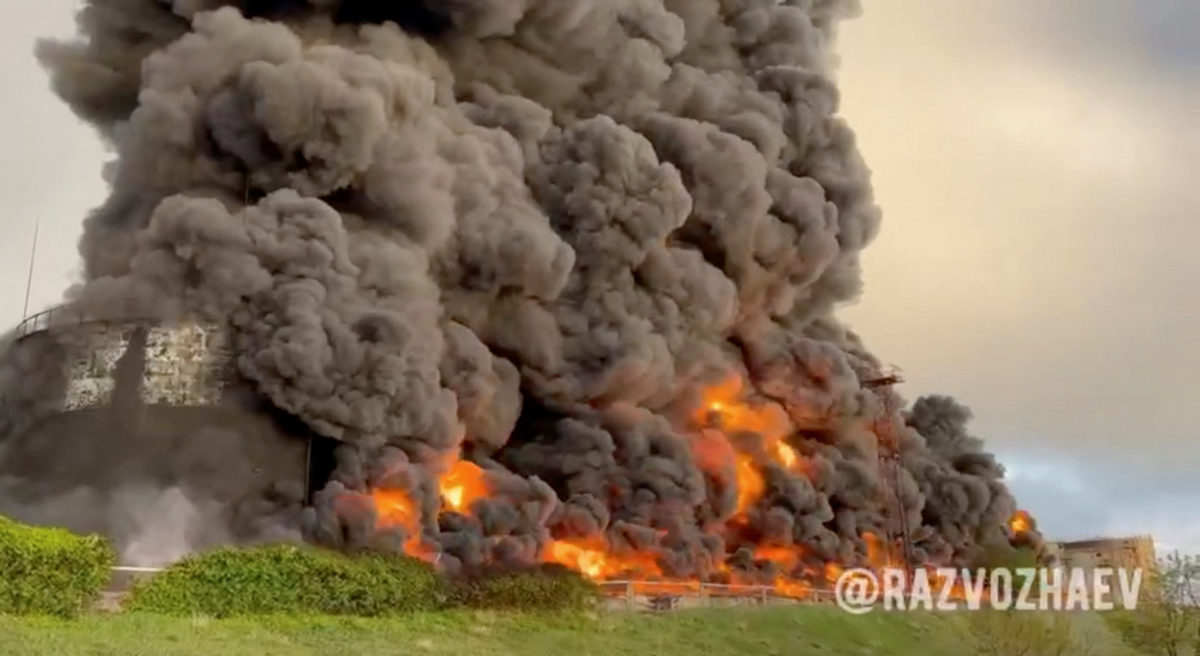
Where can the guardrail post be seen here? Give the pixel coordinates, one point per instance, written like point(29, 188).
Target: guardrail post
point(629, 595)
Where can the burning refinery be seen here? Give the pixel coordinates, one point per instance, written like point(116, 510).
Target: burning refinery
point(491, 283)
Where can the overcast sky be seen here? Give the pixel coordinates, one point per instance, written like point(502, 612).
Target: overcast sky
point(1036, 161)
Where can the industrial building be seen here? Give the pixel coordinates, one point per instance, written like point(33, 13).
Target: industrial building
point(104, 406)
point(1118, 553)
point(1128, 553)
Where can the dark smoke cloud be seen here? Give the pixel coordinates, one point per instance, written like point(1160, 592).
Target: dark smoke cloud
point(530, 230)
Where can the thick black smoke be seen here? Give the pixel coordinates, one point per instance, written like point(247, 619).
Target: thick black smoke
point(424, 17)
point(529, 231)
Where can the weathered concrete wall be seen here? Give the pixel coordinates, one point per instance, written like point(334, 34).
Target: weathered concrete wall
point(93, 356)
point(1126, 552)
point(184, 365)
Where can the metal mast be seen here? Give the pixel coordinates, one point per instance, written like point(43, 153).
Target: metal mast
point(29, 278)
point(889, 466)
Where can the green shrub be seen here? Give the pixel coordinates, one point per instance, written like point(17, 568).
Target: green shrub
point(1014, 633)
point(1167, 618)
point(547, 588)
point(50, 571)
point(290, 579)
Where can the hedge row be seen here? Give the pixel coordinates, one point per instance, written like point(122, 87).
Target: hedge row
point(290, 579)
point(549, 588)
point(50, 571)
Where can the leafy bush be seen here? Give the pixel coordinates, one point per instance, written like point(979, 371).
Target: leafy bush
point(1015, 633)
point(548, 588)
point(50, 571)
point(290, 579)
point(1167, 618)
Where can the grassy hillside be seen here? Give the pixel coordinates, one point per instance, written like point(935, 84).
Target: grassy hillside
point(790, 631)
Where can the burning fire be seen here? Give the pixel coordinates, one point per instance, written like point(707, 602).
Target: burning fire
point(750, 483)
point(785, 557)
point(1021, 522)
point(725, 403)
point(724, 409)
point(462, 485)
point(593, 558)
point(395, 509)
point(725, 400)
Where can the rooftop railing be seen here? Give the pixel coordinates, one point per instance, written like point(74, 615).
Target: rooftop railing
point(42, 321)
point(64, 315)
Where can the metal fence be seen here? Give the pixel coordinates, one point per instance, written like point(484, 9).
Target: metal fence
point(124, 577)
point(671, 595)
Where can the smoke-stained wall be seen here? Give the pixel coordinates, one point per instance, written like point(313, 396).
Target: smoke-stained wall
point(184, 365)
point(90, 374)
point(530, 233)
point(150, 441)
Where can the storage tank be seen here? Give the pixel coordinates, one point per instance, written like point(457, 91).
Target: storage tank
point(145, 432)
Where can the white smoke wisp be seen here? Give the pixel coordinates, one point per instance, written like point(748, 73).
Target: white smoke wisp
point(164, 525)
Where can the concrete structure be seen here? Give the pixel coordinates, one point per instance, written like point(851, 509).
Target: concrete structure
point(183, 365)
point(116, 423)
point(1128, 553)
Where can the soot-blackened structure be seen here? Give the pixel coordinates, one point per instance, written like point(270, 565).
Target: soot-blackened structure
point(135, 437)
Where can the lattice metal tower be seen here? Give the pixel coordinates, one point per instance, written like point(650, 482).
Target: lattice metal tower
point(889, 467)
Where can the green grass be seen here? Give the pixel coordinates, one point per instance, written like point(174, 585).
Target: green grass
point(782, 631)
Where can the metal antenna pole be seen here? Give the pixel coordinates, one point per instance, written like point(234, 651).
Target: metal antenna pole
point(29, 278)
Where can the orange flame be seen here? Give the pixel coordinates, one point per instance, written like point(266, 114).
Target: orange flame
point(877, 557)
point(792, 588)
point(750, 483)
point(785, 557)
point(462, 485)
point(725, 407)
point(726, 401)
point(786, 455)
point(1021, 522)
point(592, 558)
point(957, 590)
point(394, 508)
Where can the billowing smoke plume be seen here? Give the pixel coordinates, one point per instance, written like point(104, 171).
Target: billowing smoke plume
point(534, 235)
